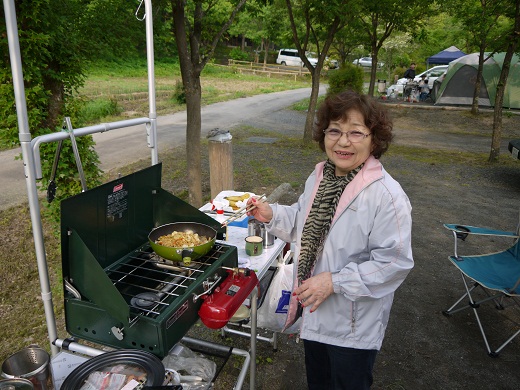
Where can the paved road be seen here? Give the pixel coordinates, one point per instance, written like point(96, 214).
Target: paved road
point(116, 148)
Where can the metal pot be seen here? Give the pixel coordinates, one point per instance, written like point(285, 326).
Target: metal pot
point(186, 255)
point(30, 363)
point(16, 384)
point(257, 228)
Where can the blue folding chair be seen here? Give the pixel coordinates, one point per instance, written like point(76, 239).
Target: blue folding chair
point(497, 275)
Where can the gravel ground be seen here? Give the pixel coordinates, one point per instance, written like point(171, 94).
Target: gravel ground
point(439, 157)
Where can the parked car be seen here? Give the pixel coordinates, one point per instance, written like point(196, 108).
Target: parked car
point(290, 57)
point(431, 75)
point(366, 62)
point(329, 63)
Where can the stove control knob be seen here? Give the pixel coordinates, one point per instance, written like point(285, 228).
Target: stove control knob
point(118, 333)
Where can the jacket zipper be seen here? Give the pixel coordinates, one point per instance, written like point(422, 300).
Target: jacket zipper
point(353, 319)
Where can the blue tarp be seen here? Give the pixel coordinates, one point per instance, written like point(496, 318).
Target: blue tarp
point(445, 57)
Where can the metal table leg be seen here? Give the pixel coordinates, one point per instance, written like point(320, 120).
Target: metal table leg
point(252, 367)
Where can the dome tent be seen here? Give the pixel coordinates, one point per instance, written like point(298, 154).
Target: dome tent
point(445, 57)
point(459, 83)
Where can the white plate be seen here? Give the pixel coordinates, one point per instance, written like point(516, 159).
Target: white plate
point(221, 201)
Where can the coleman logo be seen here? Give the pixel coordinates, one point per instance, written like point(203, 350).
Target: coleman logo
point(118, 187)
point(175, 316)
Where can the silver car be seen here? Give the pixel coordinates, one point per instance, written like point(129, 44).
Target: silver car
point(366, 62)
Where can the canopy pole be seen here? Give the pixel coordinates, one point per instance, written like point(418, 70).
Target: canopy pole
point(29, 168)
point(152, 129)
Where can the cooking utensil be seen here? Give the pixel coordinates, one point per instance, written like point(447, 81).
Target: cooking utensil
point(30, 363)
point(75, 150)
point(51, 188)
point(186, 255)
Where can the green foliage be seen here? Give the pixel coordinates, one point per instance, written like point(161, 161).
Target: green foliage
point(239, 55)
point(179, 94)
point(347, 77)
point(94, 110)
point(219, 71)
point(114, 30)
point(52, 45)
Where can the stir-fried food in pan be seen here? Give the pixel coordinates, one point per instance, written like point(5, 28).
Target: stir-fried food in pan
point(182, 239)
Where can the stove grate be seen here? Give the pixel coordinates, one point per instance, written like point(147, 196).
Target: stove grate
point(150, 283)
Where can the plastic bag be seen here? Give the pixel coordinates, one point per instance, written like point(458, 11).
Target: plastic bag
point(273, 312)
point(195, 371)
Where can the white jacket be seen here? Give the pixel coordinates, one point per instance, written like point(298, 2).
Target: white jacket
point(368, 250)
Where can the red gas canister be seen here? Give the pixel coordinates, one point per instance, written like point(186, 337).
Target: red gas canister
point(221, 305)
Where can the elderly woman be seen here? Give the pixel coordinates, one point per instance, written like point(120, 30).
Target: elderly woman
point(352, 233)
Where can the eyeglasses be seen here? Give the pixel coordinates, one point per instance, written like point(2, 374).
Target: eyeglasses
point(353, 136)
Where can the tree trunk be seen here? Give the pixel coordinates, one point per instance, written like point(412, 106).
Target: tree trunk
point(191, 81)
point(266, 51)
point(193, 138)
point(309, 120)
point(373, 71)
point(478, 81)
point(494, 154)
point(497, 111)
point(55, 102)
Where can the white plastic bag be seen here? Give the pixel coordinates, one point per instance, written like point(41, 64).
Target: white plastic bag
point(194, 371)
point(273, 312)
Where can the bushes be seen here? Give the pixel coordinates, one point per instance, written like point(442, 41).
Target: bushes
point(239, 55)
point(94, 110)
point(179, 94)
point(347, 77)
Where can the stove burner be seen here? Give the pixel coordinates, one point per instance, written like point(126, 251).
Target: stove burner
point(149, 299)
point(145, 300)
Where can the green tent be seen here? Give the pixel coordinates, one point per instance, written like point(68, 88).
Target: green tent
point(458, 84)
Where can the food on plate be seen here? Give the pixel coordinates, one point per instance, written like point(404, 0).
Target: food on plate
point(233, 200)
point(182, 239)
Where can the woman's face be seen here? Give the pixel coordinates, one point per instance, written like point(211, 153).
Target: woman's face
point(347, 155)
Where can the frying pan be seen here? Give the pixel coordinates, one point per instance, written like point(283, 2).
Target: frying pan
point(186, 255)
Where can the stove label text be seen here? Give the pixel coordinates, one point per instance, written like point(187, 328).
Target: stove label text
point(170, 321)
point(117, 203)
point(233, 289)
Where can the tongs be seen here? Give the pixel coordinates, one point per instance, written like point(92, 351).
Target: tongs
point(242, 211)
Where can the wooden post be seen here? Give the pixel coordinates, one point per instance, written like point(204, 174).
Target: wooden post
point(220, 167)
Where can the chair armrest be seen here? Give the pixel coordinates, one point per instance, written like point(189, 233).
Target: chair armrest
point(462, 231)
point(466, 229)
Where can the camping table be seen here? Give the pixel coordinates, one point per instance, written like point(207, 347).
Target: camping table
point(514, 148)
point(260, 264)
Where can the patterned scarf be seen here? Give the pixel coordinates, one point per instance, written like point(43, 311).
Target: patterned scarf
point(320, 217)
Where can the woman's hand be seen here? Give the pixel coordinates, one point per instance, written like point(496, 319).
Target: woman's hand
point(315, 290)
point(262, 212)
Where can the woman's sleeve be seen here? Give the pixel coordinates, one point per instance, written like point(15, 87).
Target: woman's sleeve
point(283, 224)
